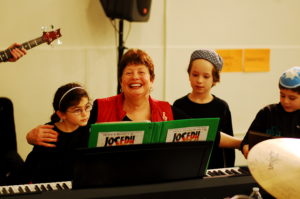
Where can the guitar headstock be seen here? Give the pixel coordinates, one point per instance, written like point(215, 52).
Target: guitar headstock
point(51, 36)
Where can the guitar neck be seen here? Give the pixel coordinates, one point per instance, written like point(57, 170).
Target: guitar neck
point(33, 43)
point(6, 54)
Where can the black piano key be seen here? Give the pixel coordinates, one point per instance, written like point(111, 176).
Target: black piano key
point(221, 172)
point(244, 171)
point(27, 190)
point(244, 168)
point(229, 171)
point(235, 172)
point(49, 187)
point(59, 187)
point(37, 188)
point(211, 173)
point(10, 190)
point(4, 190)
point(216, 172)
point(43, 188)
point(65, 186)
point(20, 189)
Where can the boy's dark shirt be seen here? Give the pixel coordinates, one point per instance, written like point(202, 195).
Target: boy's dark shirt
point(216, 108)
point(275, 121)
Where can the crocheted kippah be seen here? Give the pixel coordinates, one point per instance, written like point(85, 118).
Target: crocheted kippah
point(209, 55)
point(290, 78)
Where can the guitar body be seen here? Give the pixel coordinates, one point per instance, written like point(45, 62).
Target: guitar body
point(47, 37)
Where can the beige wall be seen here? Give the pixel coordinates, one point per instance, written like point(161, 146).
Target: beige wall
point(175, 28)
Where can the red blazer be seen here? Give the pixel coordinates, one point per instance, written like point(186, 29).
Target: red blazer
point(110, 109)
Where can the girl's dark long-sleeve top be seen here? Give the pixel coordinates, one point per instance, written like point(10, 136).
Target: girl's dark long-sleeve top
point(220, 158)
point(275, 121)
point(45, 164)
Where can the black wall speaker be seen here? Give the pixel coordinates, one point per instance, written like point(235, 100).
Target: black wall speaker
point(131, 10)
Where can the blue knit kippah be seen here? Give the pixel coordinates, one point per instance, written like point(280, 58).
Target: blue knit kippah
point(209, 55)
point(290, 78)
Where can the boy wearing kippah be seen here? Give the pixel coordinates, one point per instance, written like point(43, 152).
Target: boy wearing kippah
point(281, 119)
point(204, 72)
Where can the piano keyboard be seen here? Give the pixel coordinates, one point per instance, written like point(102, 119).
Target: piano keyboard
point(67, 185)
point(34, 188)
point(227, 172)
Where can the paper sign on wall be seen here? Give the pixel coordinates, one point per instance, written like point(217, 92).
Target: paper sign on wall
point(257, 60)
point(245, 60)
point(232, 58)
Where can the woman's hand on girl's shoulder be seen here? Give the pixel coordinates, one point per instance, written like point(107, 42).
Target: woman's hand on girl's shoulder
point(42, 135)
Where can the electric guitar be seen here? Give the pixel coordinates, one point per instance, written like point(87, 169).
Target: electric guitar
point(46, 37)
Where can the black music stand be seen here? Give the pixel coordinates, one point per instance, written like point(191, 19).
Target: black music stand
point(140, 164)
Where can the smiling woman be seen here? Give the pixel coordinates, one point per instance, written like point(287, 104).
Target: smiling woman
point(134, 103)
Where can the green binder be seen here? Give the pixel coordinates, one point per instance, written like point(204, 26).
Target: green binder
point(124, 133)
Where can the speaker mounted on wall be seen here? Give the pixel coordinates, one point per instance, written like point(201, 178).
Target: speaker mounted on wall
point(130, 10)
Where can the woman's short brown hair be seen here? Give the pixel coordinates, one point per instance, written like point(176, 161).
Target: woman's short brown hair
point(136, 57)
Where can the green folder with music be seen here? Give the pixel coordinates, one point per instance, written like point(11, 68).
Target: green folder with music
point(124, 133)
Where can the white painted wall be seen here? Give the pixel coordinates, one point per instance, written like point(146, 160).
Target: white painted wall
point(175, 28)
